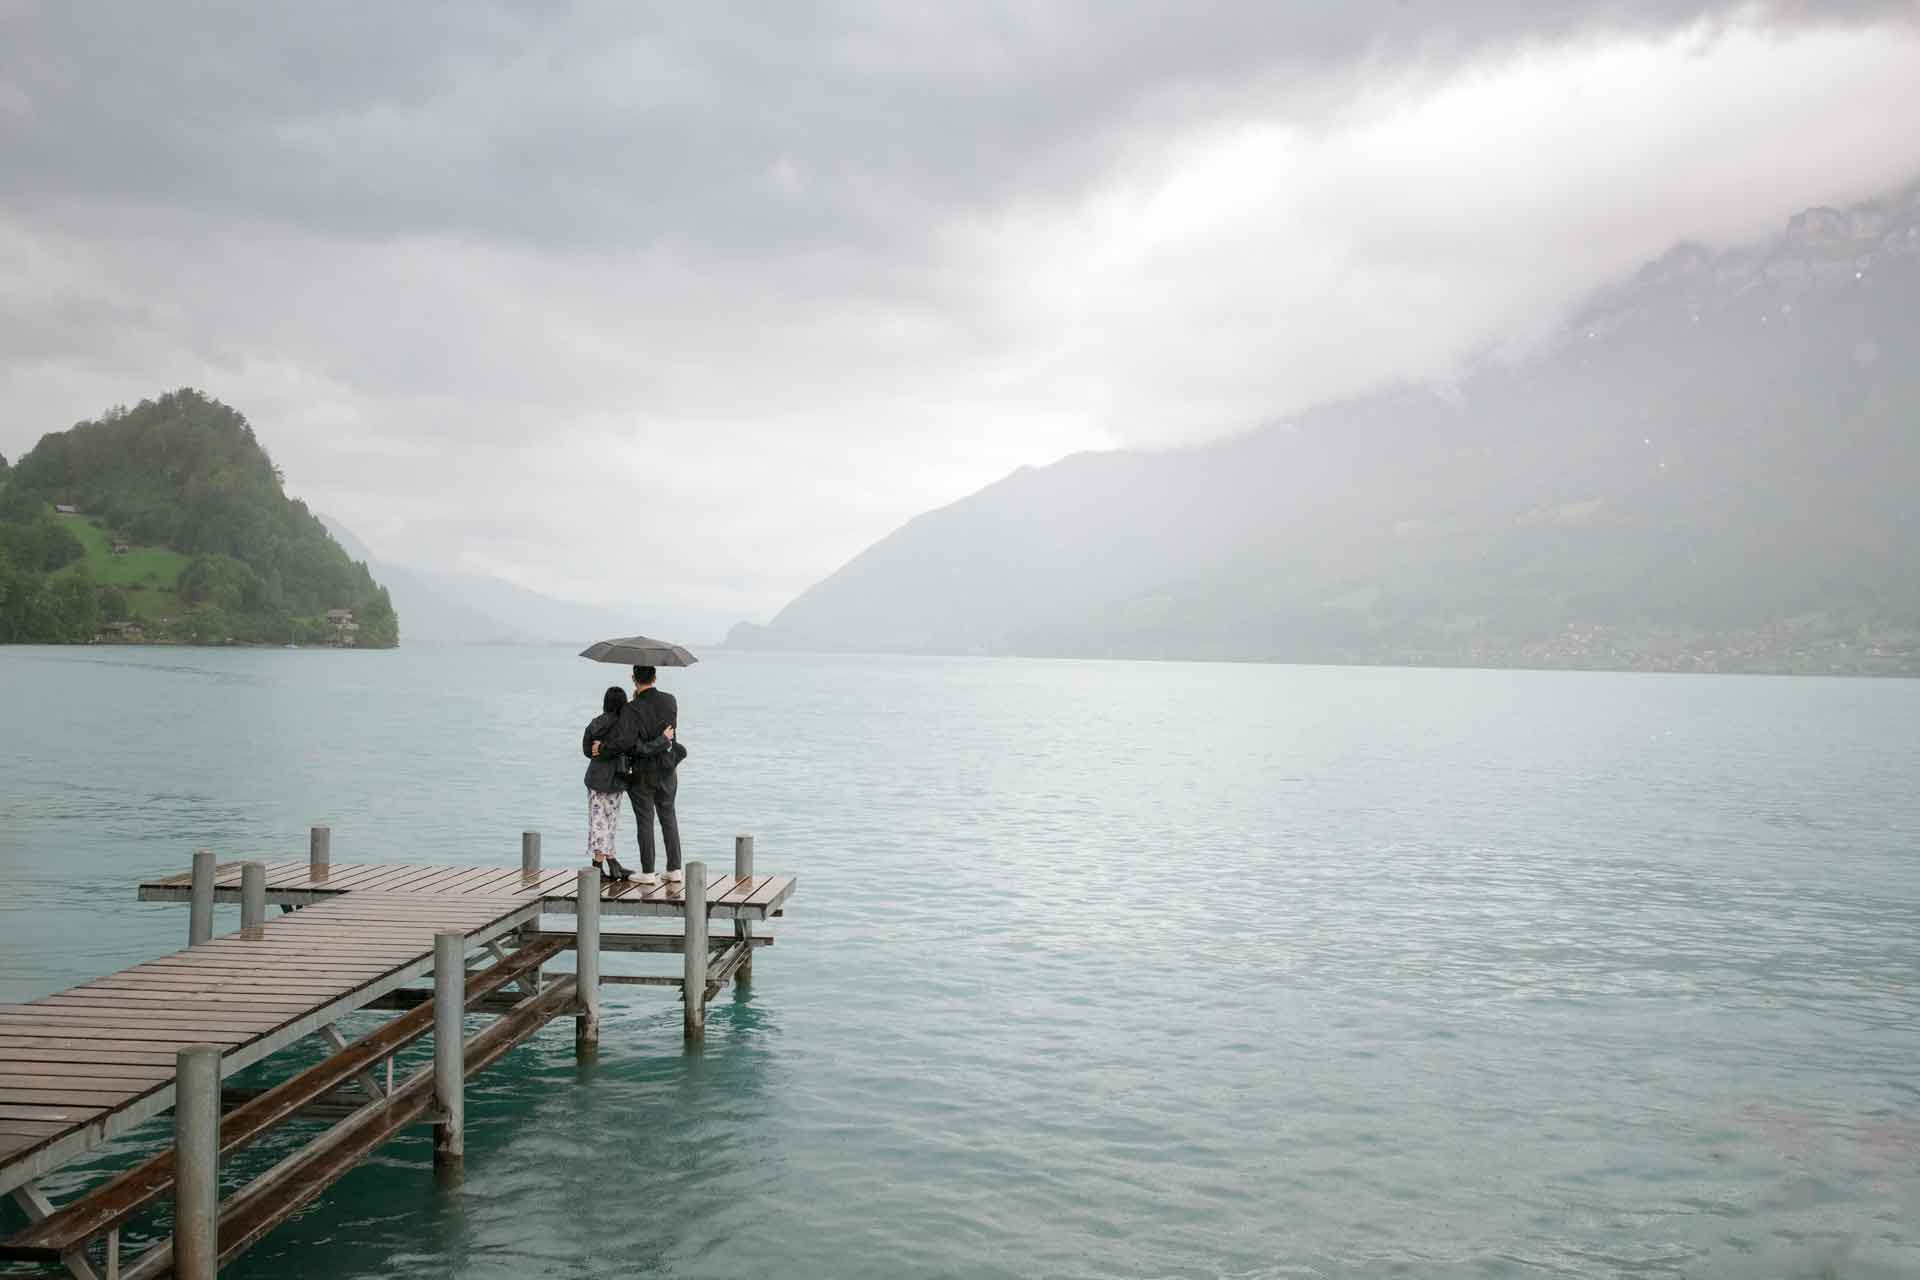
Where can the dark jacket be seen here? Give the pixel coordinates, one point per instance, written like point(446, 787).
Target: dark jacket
point(640, 735)
point(605, 772)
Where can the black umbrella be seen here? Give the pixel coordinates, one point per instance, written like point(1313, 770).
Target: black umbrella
point(639, 651)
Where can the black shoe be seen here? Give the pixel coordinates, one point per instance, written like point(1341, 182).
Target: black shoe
point(619, 872)
point(605, 874)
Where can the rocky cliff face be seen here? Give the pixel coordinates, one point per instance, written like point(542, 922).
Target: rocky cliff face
point(1711, 466)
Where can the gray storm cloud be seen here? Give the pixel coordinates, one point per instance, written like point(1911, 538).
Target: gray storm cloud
point(474, 271)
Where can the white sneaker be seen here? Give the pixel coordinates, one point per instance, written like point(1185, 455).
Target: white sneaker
point(676, 877)
point(646, 880)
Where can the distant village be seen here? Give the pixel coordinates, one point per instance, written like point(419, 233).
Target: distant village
point(1809, 646)
point(345, 629)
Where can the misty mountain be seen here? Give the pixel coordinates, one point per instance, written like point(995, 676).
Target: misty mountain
point(465, 608)
point(1714, 465)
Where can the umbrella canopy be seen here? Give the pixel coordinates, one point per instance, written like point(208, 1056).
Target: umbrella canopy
point(639, 651)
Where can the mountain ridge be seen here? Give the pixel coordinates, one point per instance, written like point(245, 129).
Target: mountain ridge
point(1706, 468)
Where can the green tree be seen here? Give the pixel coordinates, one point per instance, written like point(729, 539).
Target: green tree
point(73, 609)
point(222, 581)
point(113, 603)
point(205, 624)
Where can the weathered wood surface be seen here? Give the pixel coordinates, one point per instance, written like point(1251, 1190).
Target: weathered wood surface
point(80, 1066)
point(120, 1197)
point(749, 897)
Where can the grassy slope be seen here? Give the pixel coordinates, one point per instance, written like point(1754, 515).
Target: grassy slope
point(147, 574)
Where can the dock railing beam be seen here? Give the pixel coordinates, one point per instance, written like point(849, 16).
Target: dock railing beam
point(586, 1026)
point(449, 1043)
point(529, 853)
point(196, 1162)
point(200, 906)
point(743, 928)
point(693, 986)
point(319, 852)
point(253, 895)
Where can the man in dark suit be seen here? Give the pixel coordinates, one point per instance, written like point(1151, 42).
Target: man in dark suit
point(645, 736)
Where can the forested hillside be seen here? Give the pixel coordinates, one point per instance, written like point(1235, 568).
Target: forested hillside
point(171, 516)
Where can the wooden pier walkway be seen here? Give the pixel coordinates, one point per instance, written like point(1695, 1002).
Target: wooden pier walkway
point(82, 1066)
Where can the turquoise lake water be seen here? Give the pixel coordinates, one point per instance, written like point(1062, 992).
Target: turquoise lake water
point(1095, 969)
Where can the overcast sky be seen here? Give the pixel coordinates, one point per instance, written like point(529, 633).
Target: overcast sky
point(488, 280)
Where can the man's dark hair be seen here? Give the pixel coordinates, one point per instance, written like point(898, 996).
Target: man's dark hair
point(614, 699)
point(643, 675)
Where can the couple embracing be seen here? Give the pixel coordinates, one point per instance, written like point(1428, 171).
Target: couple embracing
point(630, 749)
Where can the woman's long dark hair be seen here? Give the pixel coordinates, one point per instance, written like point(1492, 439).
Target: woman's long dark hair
point(615, 698)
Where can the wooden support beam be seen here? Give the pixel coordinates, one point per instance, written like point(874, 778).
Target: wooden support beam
point(449, 1040)
point(743, 929)
point(694, 955)
point(413, 997)
point(338, 1043)
point(34, 1203)
point(196, 1159)
point(200, 905)
point(283, 1190)
point(645, 943)
point(586, 1027)
point(253, 894)
point(319, 852)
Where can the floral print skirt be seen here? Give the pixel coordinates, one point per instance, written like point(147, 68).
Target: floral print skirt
point(603, 822)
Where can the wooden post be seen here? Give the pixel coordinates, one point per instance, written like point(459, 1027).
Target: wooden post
point(319, 852)
point(253, 895)
point(586, 1026)
point(196, 1162)
point(449, 1048)
point(529, 853)
point(693, 984)
point(743, 927)
point(200, 907)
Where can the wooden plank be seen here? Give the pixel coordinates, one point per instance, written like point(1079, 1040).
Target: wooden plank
point(133, 1021)
point(199, 990)
point(505, 881)
point(67, 1096)
point(130, 1015)
point(15, 1049)
point(33, 1129)
point(429, 884)
point(212, 963)
point(742, 888)
point(110, 1062)
point(246, 1002)
point(188, 987)
point(48, 1112)
point(33, 1076)
point(67, 1033)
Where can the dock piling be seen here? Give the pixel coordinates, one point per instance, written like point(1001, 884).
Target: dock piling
point(253, 894)
point(693, 987)
point(449, 1044)
point(743, 929)
point(200, 906)
point(196, 1156)
point(529, 853)
point(586, 1027)
point(319, 851)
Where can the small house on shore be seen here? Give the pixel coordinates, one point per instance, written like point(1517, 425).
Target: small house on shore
point(344, 627)
point(65, 509)
point(123, 632)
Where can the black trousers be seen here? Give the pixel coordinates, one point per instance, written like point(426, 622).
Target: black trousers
point(652, 792)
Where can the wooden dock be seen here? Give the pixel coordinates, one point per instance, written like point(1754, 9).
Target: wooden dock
point(85, 1065)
